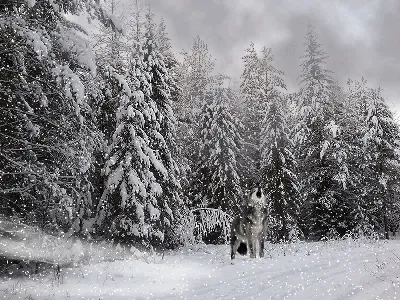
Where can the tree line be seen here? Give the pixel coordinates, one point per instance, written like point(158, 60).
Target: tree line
point(111, 136)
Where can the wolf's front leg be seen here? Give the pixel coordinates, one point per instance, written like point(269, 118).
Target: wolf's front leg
point(252, 246)
point(235, 242)
point(261, 242)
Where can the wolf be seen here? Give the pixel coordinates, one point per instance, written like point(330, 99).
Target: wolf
point(250, 227)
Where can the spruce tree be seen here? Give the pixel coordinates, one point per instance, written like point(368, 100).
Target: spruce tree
point(260, 81)
point(353, 130)
point(142, 196)
point(131, 200)
point(373, 170)
point(216, 180)
point(111, 52)
point(279, 169)
point(47, 136)
point(253, 114)
point(163, 134)
point(380, 154)
point(193, 76)
point(320, 150)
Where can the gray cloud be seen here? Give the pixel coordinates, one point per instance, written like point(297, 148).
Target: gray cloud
point(361, 37)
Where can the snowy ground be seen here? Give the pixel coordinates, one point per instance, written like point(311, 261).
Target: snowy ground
point(346, 269)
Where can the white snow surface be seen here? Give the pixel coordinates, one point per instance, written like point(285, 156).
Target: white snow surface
point(336, 269)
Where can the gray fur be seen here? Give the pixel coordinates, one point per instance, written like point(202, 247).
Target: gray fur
point(250, 227)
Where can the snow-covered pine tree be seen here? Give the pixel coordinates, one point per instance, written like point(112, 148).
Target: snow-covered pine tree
point(342, 148)
point(135, 26)
point(47, 141)
point(216, 183)
point(142, 191)
point(112, 53)
point(366, 190)
point(380, 140)
point(320, 150)
point(111, 46)
point(111, 50)
point(314, 99)
point(278, 167)
point(165, 48)
point(352, 131)
point(163, 133)
point(137, 67)
point(260, 80)
point(116, 83)
point(252, 115)
point(335, 212)
point(250, 85)
point(194, 75)
point(104, 92)
point(131, 202)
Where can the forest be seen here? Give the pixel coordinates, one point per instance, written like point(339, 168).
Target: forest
point(111, 135)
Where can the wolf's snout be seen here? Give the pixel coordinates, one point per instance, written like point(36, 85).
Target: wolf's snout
point(258, 194)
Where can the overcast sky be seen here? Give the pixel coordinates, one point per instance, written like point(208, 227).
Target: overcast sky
point(361, 37)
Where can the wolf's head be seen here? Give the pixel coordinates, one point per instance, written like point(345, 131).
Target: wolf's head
point(257, 196)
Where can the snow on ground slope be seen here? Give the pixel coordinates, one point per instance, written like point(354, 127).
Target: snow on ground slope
point(346, 269)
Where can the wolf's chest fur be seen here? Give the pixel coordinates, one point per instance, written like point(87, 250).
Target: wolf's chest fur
point(251, 222)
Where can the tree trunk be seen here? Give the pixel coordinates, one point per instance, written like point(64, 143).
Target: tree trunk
point(385, 219)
